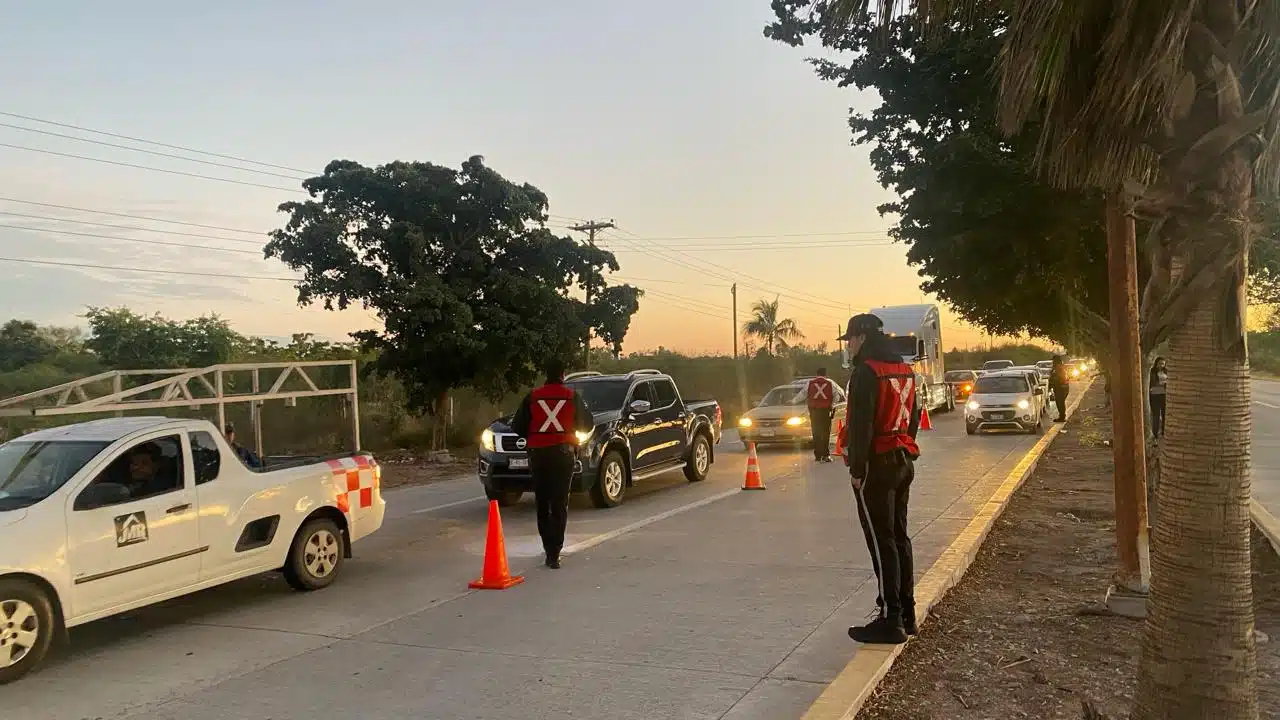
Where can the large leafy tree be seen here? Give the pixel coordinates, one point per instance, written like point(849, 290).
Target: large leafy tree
point(1171, 110)
point(472, 288)
point(990, 235)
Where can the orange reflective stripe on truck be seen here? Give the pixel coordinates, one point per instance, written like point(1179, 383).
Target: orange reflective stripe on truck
point(355, 480)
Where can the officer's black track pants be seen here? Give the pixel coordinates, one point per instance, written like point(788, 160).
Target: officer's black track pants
point(552, 469)
point(820, 422)
point(882, 510)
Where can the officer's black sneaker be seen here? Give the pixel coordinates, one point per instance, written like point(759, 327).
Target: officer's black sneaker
point(909, 623)
point(881, 631)
point(553, 562)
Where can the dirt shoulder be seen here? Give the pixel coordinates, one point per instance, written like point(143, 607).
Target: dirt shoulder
point(407, 468)
point(1024, 634)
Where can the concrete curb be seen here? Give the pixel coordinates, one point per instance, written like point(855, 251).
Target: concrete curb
point(1266, 523)
point(846, 695)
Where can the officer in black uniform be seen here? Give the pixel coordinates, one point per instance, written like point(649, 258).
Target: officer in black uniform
point(549, 419)
point(882, 420)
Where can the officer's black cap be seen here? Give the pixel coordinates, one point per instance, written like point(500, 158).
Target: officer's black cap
point(862, 324)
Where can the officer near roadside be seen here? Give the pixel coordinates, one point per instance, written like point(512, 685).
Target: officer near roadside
point(881, 423)
point(548, 419)
point(1059, 384)
point(819, 394)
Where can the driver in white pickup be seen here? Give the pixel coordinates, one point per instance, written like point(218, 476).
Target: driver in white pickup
point(143, 471)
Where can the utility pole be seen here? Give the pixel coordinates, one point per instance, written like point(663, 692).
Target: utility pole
point(1129, 448)
point(590, 229)
point(738, 363)
point(734, 291)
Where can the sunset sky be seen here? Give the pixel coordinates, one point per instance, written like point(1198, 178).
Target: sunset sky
point(718, 153)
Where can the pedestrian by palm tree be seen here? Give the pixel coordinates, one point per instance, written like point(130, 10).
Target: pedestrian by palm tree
point(765, 324)
point(1170, 109)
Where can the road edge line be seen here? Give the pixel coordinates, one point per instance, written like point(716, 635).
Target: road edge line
point(850, 690)
point(1266, 523)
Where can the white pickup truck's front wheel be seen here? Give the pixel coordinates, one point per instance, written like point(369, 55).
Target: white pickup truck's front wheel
point(316, 555)
point(26, 628)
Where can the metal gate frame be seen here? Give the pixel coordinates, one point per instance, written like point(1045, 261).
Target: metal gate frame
point(77, 397)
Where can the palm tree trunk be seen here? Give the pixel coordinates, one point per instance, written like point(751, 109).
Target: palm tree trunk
point(1198, 654)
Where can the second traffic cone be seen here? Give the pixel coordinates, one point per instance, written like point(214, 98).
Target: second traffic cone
point(924, 419)
point(840, 437)
point(495, 575)
point(753, 481)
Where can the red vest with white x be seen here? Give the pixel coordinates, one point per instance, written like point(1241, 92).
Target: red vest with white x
point(551, 412)
point(819, 393)
point(895, 402)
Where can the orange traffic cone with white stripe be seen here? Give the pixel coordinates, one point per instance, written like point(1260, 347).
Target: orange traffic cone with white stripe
point(496, 575)
point(924, 419)
point(753, 481)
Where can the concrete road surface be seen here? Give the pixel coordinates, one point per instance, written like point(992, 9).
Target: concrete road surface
point(1266, 444)
point(688, 601)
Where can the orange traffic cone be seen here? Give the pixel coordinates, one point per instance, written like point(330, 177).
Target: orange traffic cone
point(753, 481)
point(496, 574)
point(840, 437)
point(924, 419)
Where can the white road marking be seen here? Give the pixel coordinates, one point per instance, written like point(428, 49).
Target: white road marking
point(605, 537)
point(455, 503)
point(1266, 405)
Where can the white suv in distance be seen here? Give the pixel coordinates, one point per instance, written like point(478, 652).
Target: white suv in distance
point(1006, 400)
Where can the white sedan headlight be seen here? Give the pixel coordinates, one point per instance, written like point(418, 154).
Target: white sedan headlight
point(1023, 404)
point(744, 422)
point(486, 440)
point(973, 405)
point(796, 420)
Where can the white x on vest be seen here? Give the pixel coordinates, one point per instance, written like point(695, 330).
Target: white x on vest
point(820, 390)
point(553, 416)
point(903, 387)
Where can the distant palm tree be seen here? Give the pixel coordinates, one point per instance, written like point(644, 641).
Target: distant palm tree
point(764, 324)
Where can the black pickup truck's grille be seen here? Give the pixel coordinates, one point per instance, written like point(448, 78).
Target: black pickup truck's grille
point(509, 444)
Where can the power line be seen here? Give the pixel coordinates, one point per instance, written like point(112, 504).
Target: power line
point(129, 216)
point(745, 247)
point(880, 233)
point(53, 231)
point(156, 153)
point(152, 169)
point(655, 280)
point(86, 266)
point(127, 228)
point(148, 142)
point(795, 295)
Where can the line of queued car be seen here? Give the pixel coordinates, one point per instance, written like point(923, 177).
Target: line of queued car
point(1004, 396)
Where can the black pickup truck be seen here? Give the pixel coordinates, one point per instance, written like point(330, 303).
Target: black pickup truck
point(642, 428)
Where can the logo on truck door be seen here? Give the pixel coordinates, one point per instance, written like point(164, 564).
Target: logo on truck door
point(131, 529)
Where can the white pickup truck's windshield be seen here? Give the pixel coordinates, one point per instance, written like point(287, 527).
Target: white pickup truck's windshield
point(788, 395)
point(1000, 385)
point(997, 365)
point(32, 471)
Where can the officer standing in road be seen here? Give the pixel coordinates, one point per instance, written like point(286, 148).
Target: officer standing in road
point(549, 418)
point(819, 394)
point(1059, 384)
point(882, 420)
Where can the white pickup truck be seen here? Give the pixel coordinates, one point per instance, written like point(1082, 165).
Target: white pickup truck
point(102, 517)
